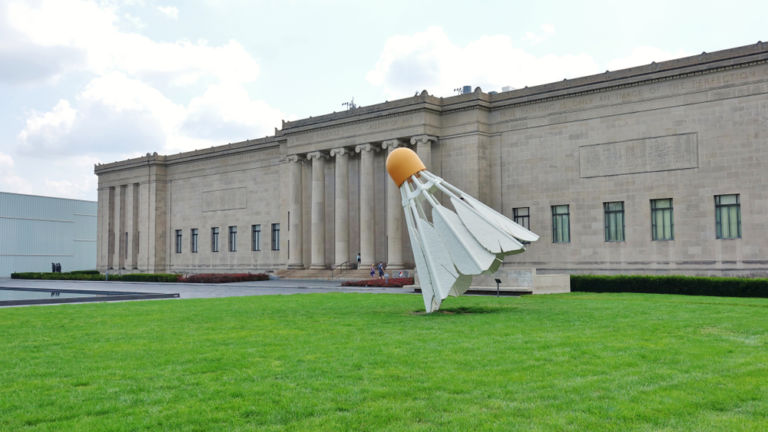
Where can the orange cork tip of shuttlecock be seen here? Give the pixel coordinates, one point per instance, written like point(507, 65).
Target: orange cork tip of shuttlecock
point(403, 163)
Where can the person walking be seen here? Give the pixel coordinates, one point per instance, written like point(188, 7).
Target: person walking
point(373, 271)
point(358, 260)
point(381, 270)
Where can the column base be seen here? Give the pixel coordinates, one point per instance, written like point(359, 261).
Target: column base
point(318, 267)
point(295, 267)
point(395, 266)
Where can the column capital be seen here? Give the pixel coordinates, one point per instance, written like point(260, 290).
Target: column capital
point(340, 151)
point(423, 139)
point(317, 155)
point(294, 158)
point(391, 144)
point(365, 147)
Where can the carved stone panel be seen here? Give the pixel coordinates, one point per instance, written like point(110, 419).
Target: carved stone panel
point(665, 153)
point(224, 199)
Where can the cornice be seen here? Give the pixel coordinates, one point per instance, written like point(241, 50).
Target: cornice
point(701, 64)
point(190, 156)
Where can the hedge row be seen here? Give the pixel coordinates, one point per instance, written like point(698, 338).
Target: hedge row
point(95, 275)
point(58, 276)
point(393, 282)
point(145, 277)
point(687, 285)
point(224, 277)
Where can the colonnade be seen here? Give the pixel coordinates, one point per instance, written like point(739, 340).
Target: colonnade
point(120, 216)
point(341, 158)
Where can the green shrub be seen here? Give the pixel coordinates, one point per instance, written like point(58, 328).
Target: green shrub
point(89, 272)
point(146, 277)
point(95, 275)
point(26, 275)
point(687, 285)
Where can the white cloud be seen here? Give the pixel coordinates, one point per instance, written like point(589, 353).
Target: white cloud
point(68, 177)
point(115, 117)
point(10, 181)
point(49, 126)
point(71, 177)
point(547, 31)
point(135, 21)
point(430, 60)
point(227, 111)
point(122, 111)
point(643, 55)
point(169, 11)
point(88, 36)
point(6, 162)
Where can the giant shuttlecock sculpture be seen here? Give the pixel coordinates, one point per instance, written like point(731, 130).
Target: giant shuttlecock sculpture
point(450, 244)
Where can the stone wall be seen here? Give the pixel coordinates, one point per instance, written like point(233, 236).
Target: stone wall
point(687, 129)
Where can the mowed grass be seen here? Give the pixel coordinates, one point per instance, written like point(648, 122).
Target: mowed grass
point(334, 362)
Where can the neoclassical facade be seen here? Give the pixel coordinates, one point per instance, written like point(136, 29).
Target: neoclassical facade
point(659, 168)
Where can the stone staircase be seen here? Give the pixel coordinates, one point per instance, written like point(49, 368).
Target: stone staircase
point(328, 274)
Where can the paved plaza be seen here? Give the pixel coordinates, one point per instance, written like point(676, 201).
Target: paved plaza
point(189, 290)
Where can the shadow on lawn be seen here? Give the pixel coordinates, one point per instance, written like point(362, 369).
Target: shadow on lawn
point(460, 310)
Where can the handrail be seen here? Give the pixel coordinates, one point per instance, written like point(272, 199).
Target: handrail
point(339, 267)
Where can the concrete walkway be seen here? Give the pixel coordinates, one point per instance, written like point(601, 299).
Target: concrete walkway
point(187, 290)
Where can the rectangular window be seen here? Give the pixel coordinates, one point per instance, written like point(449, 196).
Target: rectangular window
point(614, 221)
point(662, 221)
point(178, 241)
point(561, 224)
point(233, 239)
point(193, 241)
point(255, 237)
point(727, 216)
point(215, 239)
point(275, 236)
point(522, 216)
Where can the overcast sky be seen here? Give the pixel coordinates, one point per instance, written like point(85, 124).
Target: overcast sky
point(86, 81)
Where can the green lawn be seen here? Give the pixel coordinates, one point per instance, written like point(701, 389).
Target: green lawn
point(374, 362)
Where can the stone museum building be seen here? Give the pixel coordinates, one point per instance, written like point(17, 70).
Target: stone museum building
point(660, 168)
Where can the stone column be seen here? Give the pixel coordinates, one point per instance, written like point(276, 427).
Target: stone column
point(295, 249)
point(122, 237)
point(423, 145)
point(394, 216)
point(366, 204)
point(318, 210)
point(341, 213)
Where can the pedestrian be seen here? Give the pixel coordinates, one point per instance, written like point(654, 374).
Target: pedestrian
point(373, 271)
point(381, 270)
point(358, 260)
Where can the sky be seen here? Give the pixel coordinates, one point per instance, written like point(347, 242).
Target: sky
point(87, 81)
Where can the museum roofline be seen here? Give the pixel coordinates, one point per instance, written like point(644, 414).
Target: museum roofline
point(568, 87)
point(188, 156)
point(670, 69)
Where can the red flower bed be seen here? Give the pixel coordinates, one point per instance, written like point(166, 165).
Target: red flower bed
point(223, 277)
point(393, 282)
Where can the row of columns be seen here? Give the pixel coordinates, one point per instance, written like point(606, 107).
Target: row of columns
point(394, 212)
point(122, 214)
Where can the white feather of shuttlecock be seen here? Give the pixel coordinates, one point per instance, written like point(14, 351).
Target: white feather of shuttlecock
point(449, 246)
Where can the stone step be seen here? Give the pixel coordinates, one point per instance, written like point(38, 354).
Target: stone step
point(336, 274)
